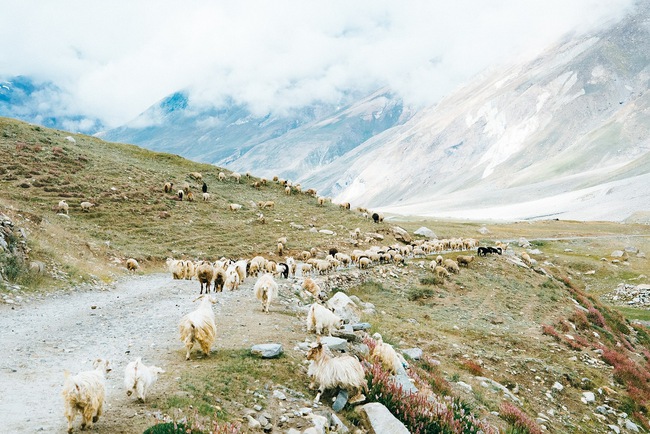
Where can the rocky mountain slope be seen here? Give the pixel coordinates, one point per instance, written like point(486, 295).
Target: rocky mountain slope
point(563, 136)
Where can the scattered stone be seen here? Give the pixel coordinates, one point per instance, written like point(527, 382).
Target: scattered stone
point(344, 307)
point(327, 232)
point(335, 344)
point(483, 230)
point(341, 400)
point(557, 386)
point(426, 232)
point(378, 419)
point(588, 397)
point(631, 425)
point(413, 353)
point(464, 386)
point(401, 235)
point(267, 351)
point(279, 395)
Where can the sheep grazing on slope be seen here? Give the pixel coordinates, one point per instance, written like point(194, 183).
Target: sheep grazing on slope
point(465, 260)
point(234, 207)
point(525, 257)
point(132, 264)
point(311, 287)
point(63, 206)
point(280, 249)
point(236, 176)
point(180, 193)
point(168, 187)
point(85, 206)
point(321, 318)
point(84, 393)
point(266, 289)
point(451, 266)
point(441, 272)
point(329, 372)
point(222, 176)
point(199, 327)
point(386, 355)
point(139, 378)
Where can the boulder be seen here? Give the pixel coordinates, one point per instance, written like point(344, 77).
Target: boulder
point(401, 235)
point(379, 420)
point(426, 232)
point(334, 344)
point(413, 353)
point(267, 351)
point(344, 307)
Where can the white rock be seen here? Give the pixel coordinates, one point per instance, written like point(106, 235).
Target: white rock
point(557, 386)
point(631, 425)
point(588, 397)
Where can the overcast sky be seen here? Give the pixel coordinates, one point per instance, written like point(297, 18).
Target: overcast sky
point(113, 59)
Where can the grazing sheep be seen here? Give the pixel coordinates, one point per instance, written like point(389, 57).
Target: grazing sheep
point(271, 267)
point(345, 205)
point(236, 176)
point(206, 197)
point(364, 262)
point(177, 268)
point(180, 193)
point(139, 378)
point(232, 278)
point(198, 326)
point(222, 176)
point(205, 275)
point(196, 175)
point(268, 204)
point(84, 393)
point(321, 318)
point(283, 270)
point(386, 355)
point(321, 200)
point(441, 272)
point(241, 266)
point(451, 266)
point(306, 269)
point(287, 190)
point(85, 206)
point(234, 207)
point(525, 257)
point(63, 206)
point(280, 249)
point(292, 265)
point(168, 187)
point(329, 372)
point(132, 264)
point(310, 286)
point(256, 265)
point(439, 260)
point(266, 289)
point(190, 196)
point(464, 260)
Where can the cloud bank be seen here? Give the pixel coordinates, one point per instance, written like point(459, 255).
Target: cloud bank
point(112, 60)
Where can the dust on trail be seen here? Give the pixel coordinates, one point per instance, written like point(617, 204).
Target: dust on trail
point(137, 318)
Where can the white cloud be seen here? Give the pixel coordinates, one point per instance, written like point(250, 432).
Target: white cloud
point(114, 59)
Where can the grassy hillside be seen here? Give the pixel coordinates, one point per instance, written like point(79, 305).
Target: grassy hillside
point(494, 319)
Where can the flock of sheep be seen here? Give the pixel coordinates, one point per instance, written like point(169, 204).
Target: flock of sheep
point(84, 393)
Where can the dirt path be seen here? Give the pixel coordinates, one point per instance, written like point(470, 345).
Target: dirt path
point(138, 317)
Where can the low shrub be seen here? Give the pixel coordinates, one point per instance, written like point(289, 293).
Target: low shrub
point(519, 421)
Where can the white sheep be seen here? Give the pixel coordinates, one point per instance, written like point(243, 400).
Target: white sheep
point(451, 266)
point(85, 206)
point(63, 206)
point(384, 354)
point(132, 264)
point(206, 197)
point(266, 289)
point(236, 176)
point(291, 263)
point(234, 207)
point(329, 372)
point(321, 318)
point(139, 378)
point(222, 176)
point(441, 271)
point(199, 327)
point(464, 260)
point(84, 393)
point(232, 278)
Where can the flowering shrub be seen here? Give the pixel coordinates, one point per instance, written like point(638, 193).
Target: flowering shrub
point(423, 414)
point(518, 419)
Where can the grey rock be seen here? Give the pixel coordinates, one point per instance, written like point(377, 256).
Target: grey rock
point(341, 400)
point(401, 235)
point(335, 344)
point(267, 351)
point(361, 326)
point(631, 425)
point(413, 353)
point(426, 232)
point(379, 420)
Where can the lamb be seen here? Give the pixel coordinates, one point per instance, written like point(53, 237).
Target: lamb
point(234, 207)
point(321, 318)
point(205, 275)
point(464, 260)
point(84, 393)
point(198, 326)
point(168, 187)
point(63, 206)
point(329, 372)
point(266, 289)
point(232, 278)
point(139, 378)
point(206, 197)
point(287, 190)
point(321, 200)
point(385, 355)
point(85, 206)
point(451, 266)
point(132, 264)
point(268, 204)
